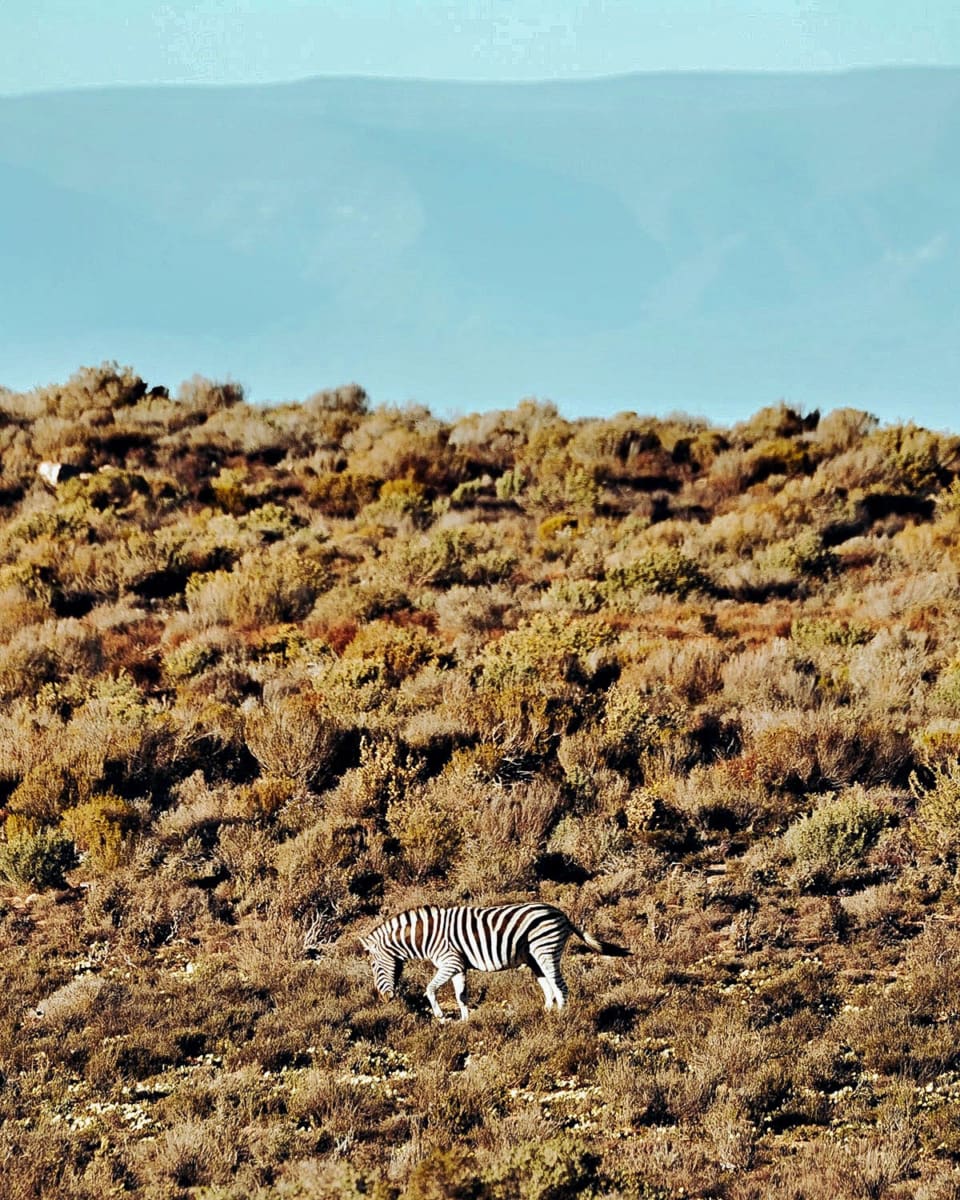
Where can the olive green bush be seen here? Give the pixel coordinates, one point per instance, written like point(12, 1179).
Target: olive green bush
point(37, 859)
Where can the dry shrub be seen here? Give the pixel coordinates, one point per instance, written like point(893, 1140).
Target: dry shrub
point(108, 386)
point(906, 1029)
point(205, 396)
point(400, 444)
point(428, 829)
point(262, 589)
point(517, 726)
point(48, 653)
point(770, 677)
point(473, 612)
point(825, 749)
point(880, 909)
point(198, 808)
point(163, 907)
point(843, 428)
point(725, 796)
point(862, 1168)
point(381, 778)
point(245, 852)
point(507, 831)
point(692, 669)
point(888, 673)
point(332, 866)
point(268, 948)
point(586, 845)
point(293, 737)
point(190, 1155)
point(69, 1005)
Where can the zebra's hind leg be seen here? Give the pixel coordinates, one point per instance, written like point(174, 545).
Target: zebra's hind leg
point(547, 991)
point(552, 983)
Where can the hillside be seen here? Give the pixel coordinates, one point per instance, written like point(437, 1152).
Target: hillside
point(270, 674)
point(470, 244)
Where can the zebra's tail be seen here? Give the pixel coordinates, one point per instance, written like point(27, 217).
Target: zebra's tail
point(609, 948)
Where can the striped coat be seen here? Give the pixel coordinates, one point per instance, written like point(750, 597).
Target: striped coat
point(485, 939)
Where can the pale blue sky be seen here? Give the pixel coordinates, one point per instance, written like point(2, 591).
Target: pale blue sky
point(53, 44)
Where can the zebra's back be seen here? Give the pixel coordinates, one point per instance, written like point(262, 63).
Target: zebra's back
point(489, 939)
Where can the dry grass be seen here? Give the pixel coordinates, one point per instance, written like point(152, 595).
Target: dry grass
point(280, 672)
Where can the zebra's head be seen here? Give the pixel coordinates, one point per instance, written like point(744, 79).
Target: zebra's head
point(386, 966)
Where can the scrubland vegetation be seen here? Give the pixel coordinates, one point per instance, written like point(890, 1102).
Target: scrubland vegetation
point(268, 674)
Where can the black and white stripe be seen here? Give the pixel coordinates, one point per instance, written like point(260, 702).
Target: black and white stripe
point(485, 939)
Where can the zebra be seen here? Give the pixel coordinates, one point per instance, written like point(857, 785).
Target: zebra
point(486, 939)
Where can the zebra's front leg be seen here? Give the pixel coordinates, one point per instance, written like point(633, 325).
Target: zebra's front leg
point(445, 972)
point(460, 990)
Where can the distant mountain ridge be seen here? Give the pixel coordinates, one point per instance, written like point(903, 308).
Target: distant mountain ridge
point(652, 241)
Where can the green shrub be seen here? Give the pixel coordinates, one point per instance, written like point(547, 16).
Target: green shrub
point(229, 491)
point(190, 659)
point(43, 793)
point(635, 724)
point(559, 1168)
point(400, 499)
point(109, 488)
point(580, 595)
point(812, 632)
point(549, 646)
point(511, 483)
point(915, 459)
point(37, 859)
point(666, 570)
point(394, 652)
point(779, 456)
point(102, 829)
point(466, 494)
point(831, 843)
point(466, 555)
point(558, 529)
point(803, 555)
point(947, 690)
point(935, 828)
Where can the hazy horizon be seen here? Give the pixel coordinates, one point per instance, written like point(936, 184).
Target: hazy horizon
point(711, 241)
point(451, 81)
